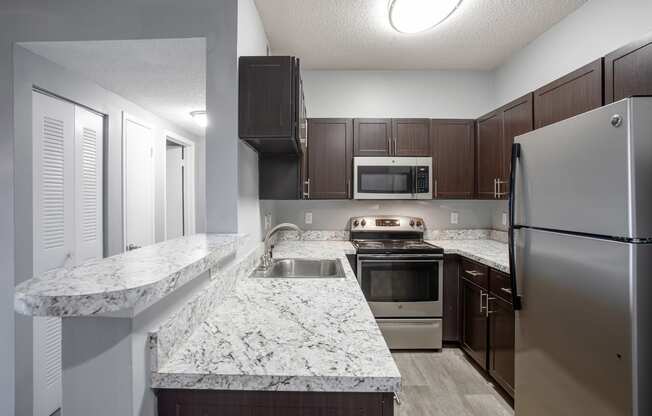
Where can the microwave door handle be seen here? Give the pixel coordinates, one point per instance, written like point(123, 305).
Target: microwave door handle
point(413, 170)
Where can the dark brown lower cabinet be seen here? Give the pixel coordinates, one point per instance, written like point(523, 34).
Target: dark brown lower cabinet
point(501, 343)
point(451, 320)
point(255, 403)
point(474, 322)
point(488, 323)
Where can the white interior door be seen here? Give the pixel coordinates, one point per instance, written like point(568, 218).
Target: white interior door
point(174, 192)
point(138, 159)
point(53, 139)
point(89, 141)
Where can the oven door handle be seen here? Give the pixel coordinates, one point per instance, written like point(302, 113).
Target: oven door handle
point(401, 261)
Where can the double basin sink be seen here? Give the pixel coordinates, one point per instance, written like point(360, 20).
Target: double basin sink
point(301, 268)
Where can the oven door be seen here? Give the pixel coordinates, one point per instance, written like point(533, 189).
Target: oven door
point(384, 178)
point(402, 286)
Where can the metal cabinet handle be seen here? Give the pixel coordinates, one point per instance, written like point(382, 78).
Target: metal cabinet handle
point(487, 310)
point(306, 195)
point(482, 295)
point(395, 146)
point(498, 192)
point(348, 188)
point(473, 273)
point(495, 188)
point(506, 290)
point(436, 190)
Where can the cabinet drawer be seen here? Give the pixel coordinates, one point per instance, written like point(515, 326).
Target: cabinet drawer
point(476, 273)
point(500, 284)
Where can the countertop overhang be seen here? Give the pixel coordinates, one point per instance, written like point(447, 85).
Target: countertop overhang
point(126, 282)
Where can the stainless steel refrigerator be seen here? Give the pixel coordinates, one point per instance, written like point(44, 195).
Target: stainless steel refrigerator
point(581, 256)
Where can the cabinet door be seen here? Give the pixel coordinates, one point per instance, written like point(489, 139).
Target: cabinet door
point(452, 158)
point(489, 150)
point(266, 90)
point(451, 320)
point(501, 343)
point(372, 136)
point(411, 137)
point(517, 120)
point(573, 94)
point(474, 323)
point(628, 71)
point(330, 158)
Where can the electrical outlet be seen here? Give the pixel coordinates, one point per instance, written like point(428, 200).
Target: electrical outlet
point(268, 221)
point(504, 218)
point(455, 217)
point(308, 218)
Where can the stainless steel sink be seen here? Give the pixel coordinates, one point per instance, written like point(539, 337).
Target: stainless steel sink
point(301, 268)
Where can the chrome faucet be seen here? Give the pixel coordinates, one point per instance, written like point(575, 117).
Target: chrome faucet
point(266, 260)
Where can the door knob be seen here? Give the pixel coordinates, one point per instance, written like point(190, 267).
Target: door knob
point(132, 246)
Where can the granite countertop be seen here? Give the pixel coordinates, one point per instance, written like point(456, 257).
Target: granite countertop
point(490, 252)
point(127, 281)
point(287, 335)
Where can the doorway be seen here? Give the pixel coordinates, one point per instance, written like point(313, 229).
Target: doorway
point(179, 186)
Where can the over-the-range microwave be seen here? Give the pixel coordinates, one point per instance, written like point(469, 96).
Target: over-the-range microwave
point(392, 177)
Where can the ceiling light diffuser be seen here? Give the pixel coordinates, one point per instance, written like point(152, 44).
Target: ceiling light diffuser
point(200, 117)
point(414, 16)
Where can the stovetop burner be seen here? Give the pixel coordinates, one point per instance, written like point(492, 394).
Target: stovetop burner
point(395, 246)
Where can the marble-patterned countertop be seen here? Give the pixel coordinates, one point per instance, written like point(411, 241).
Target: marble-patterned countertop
point(128, 281)
point(287, 335)
point(490, 252)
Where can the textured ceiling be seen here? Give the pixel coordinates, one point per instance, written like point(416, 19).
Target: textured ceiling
point(356, 34)
point(165, 76)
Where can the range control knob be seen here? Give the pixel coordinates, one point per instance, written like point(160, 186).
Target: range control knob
point(356, 223)
point(363, 223)
point(419, 224)
point(411, 223)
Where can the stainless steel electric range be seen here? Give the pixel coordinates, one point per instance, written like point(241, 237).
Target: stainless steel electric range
point(401, 277)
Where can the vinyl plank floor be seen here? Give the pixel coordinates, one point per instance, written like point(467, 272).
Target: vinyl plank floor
point(445, 384)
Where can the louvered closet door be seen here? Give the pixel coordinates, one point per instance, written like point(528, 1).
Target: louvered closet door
point(88, 185)
point(53, 139)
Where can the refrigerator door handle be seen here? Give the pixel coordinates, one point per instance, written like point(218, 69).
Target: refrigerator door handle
point(516, 297)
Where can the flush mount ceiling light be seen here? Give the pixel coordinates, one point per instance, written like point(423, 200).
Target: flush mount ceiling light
point(414, 16)
point(200, 118)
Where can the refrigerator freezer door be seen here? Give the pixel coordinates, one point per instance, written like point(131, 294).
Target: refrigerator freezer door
point(573, 335)
point(589, 174)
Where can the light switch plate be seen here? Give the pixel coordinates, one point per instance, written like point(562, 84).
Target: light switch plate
point(308, 218)
point(504, 218)
point(455, 217)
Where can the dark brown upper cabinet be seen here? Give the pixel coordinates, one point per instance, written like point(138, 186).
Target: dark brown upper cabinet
point(517, 120)
point(411, 137)
point(391, 137)
point(271, 112)
point(330, 158)
point(628, 71)
point(489, 149)
point(570, 95)
point(452, 143)
point(372, 136)
point(495, 134)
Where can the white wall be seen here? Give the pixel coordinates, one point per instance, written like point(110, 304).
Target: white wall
point(252, 41)
point(592, 31)
point(432, 94)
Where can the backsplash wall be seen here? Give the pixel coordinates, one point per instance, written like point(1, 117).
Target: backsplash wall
point(334, 214)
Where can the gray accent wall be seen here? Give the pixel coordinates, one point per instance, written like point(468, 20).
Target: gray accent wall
point(592, 31)
point(334, 215)
point(252, 41)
